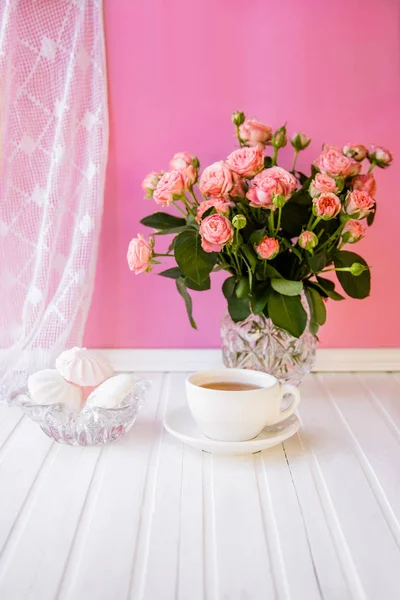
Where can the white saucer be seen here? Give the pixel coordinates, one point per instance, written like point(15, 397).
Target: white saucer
point(180, 424)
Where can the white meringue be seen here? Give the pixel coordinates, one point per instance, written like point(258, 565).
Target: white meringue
point(83, 367)
point(49, 387)
point(111, 392)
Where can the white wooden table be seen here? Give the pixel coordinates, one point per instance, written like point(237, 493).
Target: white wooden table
point(148, 518)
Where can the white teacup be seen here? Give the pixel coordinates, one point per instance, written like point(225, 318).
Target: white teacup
point(236, 416)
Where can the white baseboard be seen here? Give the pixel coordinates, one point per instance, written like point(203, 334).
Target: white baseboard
point(330, 359)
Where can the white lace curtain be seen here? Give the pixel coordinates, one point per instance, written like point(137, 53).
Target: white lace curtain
point(54, 137)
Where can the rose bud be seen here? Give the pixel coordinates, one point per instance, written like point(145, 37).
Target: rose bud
point(255, 133)
point(357, 268)
point(150, 182)
point(238, 118)
point(356, 151)
point(364, 183)
point(239, 221)
point(359, 204)
point(279, 200)
point(279, 139)
point(379, 156)
point(140, 253)
point(326, 206)
point(300, 141)
point(268, 248)
point(322, 184)
point(215, 231)
point(353, 231)
point(308, 240)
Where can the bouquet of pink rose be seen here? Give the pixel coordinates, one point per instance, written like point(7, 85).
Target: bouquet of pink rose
point(275, 232)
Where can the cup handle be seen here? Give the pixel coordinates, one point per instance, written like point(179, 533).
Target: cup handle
point(287, 388)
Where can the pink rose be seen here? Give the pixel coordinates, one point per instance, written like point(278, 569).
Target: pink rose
point(359, 204)
point(189, 175)
point(268, 184)
point(180, 160)
point(326, 206)
point(354, 168)
point(220, 205)
point(380, 156)
point(268, 248)
point(246, 161)
point(215, 231)
point(255, 133)
point(183, 162)
point(170, 184)
point(139, 255)
point(364, 183)
point(263, 190)
point(333, 162)
point(322, 184)
point(150, 182)
point(216, 180)
point(355, 230)
point(308, 240)
point(288, 180)
point(356, 151)
point(240, 187)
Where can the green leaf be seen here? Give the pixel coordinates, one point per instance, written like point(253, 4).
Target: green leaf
point(287, 313)
point(191, 258)
point(173, 273)
point(228, 287)
point(259, 297)
point(287, 287)
point(171, 231)
point(317, 306)
point(242, 288)
point(301, 197)
point(239, 308)
point(198, 287)
point(371, 217)
point(355, 287)
point(329, 288)
point(272, 272)
point(180, 286)
point(294, 216)
point(161, 221)
point(317, 262)
point(250, 255)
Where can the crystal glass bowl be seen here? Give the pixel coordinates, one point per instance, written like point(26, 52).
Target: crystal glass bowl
point(93, 425)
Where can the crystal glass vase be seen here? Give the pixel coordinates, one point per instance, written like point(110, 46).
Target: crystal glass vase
point(258, 344)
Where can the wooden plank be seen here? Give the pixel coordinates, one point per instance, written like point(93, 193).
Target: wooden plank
point(36, 551)
point(102, 554)
point(243, 557)
point(364, 540)
point(375, 445)
point(198, 359)
point(286, 525)
point(10, 417)
point(322, 550)
point(156, 568)
point(23, 454)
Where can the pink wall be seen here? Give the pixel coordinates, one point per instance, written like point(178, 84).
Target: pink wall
point(176, 72)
